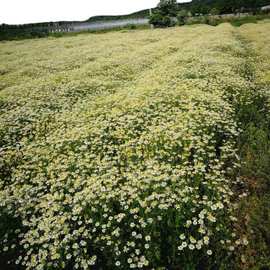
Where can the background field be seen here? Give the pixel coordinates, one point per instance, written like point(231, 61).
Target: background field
point(136, 149)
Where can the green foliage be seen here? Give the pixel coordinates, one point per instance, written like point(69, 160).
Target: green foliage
point(21, 32)
point(258, 206)
point(225, 6)
point(214, 11)
point(20, 35)
point(254, 152)
point(181, 16)
point(160, 21)
point(131, 26)
point(254, 146)
point(167, 7)
point(233, 20)
point(240, 21)
point(255, 142)
point(162, 16)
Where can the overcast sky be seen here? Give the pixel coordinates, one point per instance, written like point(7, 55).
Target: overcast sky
point(28, 11)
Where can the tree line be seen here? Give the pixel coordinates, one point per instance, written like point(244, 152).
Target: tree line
point(169, 12)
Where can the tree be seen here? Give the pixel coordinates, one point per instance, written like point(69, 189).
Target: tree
point(168, 7)
point(162, 16)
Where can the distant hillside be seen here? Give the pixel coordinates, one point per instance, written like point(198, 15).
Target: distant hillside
point(196, 6)
point(139, 14)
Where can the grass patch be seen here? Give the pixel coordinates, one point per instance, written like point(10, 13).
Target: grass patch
point(249, 19)
point(254, 151)
point(254, 145)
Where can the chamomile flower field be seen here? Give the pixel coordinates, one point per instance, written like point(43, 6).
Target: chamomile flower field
point(127, 150)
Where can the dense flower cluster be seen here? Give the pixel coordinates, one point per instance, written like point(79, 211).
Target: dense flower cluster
point(118, 150)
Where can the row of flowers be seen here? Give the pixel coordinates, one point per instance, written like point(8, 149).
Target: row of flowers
point(119, 152)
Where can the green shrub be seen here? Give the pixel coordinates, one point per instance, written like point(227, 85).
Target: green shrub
point(160, 21)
